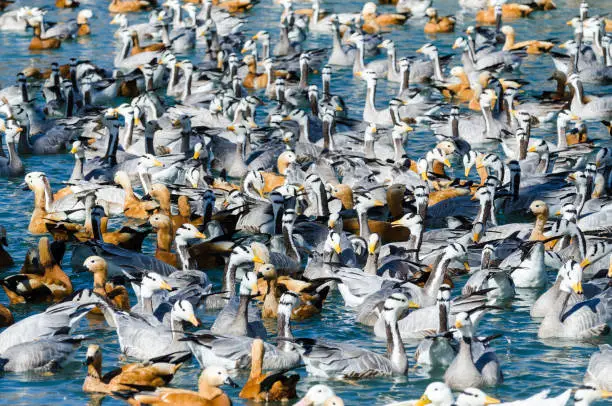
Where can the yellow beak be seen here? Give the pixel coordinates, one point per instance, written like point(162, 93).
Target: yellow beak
point(467, 171)
point(491, 401)
point(423, 401)
point(136, 121)
point(231, 128)
point(531, 149)
point(458, 324)
point(157, 163)
point(562, 46)
point(193, 320)
point(577, 287)
point(424, 176)
point(568, 23)
point(201, 236)
point(255, 36)
point(585, 262)
point(447, 163)
point(358, 74)
point(558, 213)
point(165, 286)
point(258, 260)
point(73, 150)
point(476, 237)
point(455, 46)
point(339, 109)
point(466, 265)
point(419, 51)
point(196, 154)
point(378, 203)
point(331, 224)
point(371, 248)
point(261, 192)
point(606, 394)
point(413, 305)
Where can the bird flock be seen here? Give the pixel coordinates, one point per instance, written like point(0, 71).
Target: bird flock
point(213, 178)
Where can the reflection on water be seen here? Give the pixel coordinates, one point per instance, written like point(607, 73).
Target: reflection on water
point(529, 364)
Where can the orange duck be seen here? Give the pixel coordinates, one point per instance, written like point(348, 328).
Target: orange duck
point(269, 387)
point(532, 47)
point(126, 377)
point(254, 80)
point(372, 19)
point(130, 6)
point(208, 393)
point(509, 11)
point(273, 180)
point(165, 237)
point(117, 295)
point(52, 285)
point(438, 24)
point(133, 206)
point(234, 6)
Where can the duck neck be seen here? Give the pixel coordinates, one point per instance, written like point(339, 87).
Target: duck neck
point(164, 237)
point(290, 248)
point(404, 80)
point(284, 329)
point(395, 346)
point(364, 227)
point(392, 61)
point(182, 248)
point(561, 136)
point(177, 327)
point(77, 171)
point(371, 265)
point(303, 76)
point(94, 370)
point(538, 227)
point(437, 68)
point(437, 276)
point(370, 105)
point(442, 317)
point(509, 42)
point(229, 278)
point(486, 114)
point(187, 88)
point(99, 282)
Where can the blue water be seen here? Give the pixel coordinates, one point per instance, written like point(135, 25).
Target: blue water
point(529, 364)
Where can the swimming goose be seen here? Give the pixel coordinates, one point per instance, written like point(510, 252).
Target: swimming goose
point(70, 29)
point(234, 317)
point(588, 107)
point(45, 354)
point(56, 318)
point(12, 166)
point(150, 374)
point(585, 319)
point(338, 360)
point(141, 340)
point(359, 67)
point(472, 368)
point(233, 352)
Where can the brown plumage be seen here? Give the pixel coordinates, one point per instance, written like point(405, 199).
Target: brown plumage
point(52, 285)
point(117, 295)
point(133, 206)
point(165, 237)
point(126, 377)
point(208, 394)
point(269, 387)
point(437, 24)
point(38, 43)
point(130, 6)
point(254, 80)
point(235, 6)
point(509, 10)
point(6, 317)
point(533, 47)
point(136, 48)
